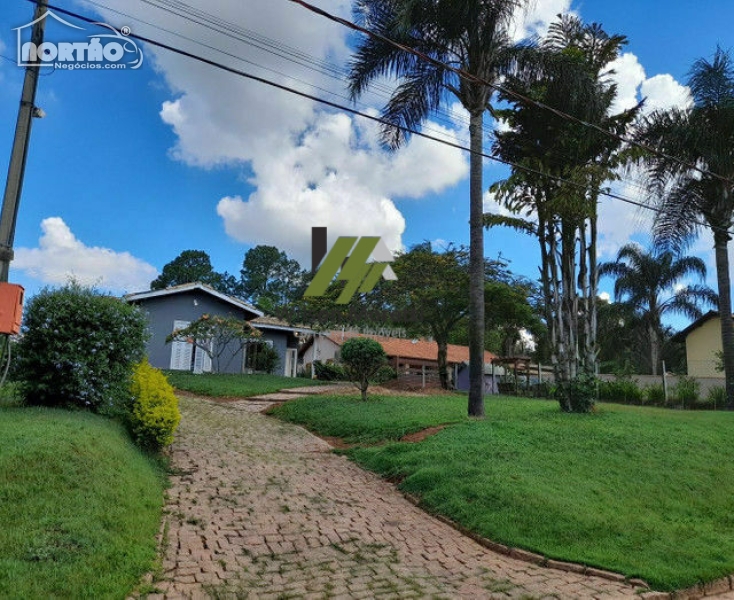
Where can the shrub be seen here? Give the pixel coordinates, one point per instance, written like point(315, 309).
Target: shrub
point(329, 371)
point(622, 390)
point(686, 392)
point(362, 359)
point(154, 415)
point(266, 359)
point(384, 374)
point(655, 395)
point(716, 397)
point(78, 349)
point(577, 395)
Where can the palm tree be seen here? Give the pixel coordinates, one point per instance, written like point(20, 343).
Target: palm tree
point(562, 166)
point(644, 280)
point(701, 136)
point(467, 34)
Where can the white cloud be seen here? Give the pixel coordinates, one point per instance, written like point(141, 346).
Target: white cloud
point(535, 19)
point(61, 256)
point(660, 91)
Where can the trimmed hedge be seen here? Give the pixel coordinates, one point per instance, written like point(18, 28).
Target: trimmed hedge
point(154, 416)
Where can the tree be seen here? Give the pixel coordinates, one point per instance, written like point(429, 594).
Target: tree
point(362, 358)
point(217, 336)
point(471, 35)
point(270, 279)
point(647, 281)
point(561, 166)
point(434, 285)
point(191, 266)
point(691, 176)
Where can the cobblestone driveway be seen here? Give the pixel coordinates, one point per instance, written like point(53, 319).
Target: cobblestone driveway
point(262, 509)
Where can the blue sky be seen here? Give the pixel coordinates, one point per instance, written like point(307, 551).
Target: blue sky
point(129, 168)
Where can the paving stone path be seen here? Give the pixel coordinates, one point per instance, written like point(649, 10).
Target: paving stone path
point(263, 509)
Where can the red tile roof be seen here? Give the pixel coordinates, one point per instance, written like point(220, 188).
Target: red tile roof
point(420, 349)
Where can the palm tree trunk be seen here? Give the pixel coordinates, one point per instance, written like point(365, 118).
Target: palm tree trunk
point(476, 268)
point(721, 241)
point(654, 349)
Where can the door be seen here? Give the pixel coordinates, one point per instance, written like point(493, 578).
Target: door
point(290, 362)
point(181, 350)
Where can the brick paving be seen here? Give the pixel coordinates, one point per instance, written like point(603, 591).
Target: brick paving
point(263, 509)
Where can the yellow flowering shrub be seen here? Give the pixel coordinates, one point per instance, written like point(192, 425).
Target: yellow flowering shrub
point(154, 416)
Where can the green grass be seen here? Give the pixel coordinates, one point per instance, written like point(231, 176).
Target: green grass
point(641, 491)
point(209, 384)
point(80, 506)
point(380, 418)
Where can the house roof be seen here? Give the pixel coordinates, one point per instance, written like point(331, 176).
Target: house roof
point(683, 334)
point(417, 349)
point(267, 322)
point(190, 287)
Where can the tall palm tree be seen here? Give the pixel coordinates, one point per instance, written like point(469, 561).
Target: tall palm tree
point(467, 34)
point(562, 167)
point(702, 135)
point(646, 280)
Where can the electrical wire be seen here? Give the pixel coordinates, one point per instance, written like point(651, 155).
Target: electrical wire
point(371, 117)
point(479, 80)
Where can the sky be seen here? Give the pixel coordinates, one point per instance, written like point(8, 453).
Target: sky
point(131, 167)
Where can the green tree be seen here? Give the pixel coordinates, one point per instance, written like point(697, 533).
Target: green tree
point(471, 35)
point(362, 358)
point(434, 286)
point(562, 166)
point(270, 279)
point(647, 282)
point(701, 135)
point(191, 266)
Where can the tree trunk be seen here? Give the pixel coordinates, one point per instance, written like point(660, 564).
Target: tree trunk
point(443, 373)
point(476, 268)
point(363, 389)
point(654, 349)
point(721, 241)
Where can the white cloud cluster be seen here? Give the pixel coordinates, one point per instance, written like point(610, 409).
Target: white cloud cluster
point(60, 256)
point(660, 91)
point(534, 20)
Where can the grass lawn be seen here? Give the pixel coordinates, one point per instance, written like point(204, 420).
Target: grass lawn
point(211, 384)
point(80, 506)
point(642, 491)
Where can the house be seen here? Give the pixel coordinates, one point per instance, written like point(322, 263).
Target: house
point(703, 343)
point(177, 306)
point(411, 358)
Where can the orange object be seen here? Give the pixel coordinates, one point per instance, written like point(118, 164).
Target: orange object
point(11, 308)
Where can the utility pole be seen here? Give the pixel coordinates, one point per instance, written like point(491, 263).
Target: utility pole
point(19, 153)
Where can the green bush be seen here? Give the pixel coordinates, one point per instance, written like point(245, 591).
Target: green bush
point(78, 349)
point(622, 390)
point(384, 374)
point(716, 397)
point(266, 359)
point(655, 395)
point(362, 359)
point(577, 395)
point(154, 415)
point(687, 392)
point(329, 371)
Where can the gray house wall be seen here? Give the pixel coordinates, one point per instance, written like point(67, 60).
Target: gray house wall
point(281, 340)
point(186, 306)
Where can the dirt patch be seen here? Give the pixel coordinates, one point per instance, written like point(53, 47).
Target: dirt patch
point(421, 435)
point(337, 442)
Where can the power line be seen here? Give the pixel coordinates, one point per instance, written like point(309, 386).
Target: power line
point(338, 75)
point(364, 115)
point(479, 80)
point(281, 50)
